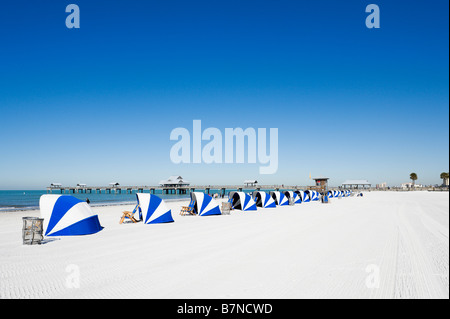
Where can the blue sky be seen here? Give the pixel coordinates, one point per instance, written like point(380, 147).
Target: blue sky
point(97, 104)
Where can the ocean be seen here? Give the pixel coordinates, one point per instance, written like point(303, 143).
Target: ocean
point(19, 200)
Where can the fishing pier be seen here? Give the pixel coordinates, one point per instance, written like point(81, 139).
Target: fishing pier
point(117, 189)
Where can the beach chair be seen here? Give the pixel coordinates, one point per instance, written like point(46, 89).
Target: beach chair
point(188, 210)
point(130, 215)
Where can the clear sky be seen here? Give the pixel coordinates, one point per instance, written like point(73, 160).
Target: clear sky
point(97, 104)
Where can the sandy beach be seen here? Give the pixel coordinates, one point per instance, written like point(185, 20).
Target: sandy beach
point(383, 245)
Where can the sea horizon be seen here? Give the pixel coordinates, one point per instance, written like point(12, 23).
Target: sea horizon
point(23, 200)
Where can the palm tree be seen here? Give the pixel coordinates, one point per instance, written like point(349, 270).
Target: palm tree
point(444, 176)
point(413, 177)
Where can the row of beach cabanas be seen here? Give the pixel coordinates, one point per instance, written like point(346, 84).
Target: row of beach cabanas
point(244, 201)
point(65, 215)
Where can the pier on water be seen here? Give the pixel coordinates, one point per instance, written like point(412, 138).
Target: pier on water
point(221, 189)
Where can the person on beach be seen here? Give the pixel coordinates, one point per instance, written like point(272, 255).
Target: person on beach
point(88, 201)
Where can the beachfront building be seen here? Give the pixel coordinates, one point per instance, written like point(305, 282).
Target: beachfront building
point(174, 181)
point(381, 186)
point(356, 184)
point(55, 185)
point(406, 185)
point(251, 183)
point(410, 185)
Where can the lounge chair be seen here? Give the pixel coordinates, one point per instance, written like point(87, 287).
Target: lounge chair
point(188, 210)
point(130, 215)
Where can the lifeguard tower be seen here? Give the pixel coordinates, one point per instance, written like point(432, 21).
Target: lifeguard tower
point(321, 184)
point(322, 187)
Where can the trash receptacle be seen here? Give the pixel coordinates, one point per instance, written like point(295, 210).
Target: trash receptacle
point(32, 231)
point(226, 208)
point(291, 201)
point(325, 199)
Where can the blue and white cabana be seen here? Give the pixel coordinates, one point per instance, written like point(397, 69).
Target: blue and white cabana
point(332, 194)
point(153, 210)
point(66, 215)
point(295, 196)
point(315, 195)
point(204, 205)
point(242, 201)
point(300, 195)
point(304, 195)
point(335, 193)
point(279, 198)
point(263, 199)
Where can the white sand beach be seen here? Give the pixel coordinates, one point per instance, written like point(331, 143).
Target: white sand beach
point(383, 245)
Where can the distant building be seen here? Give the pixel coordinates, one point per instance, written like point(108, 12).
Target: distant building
point(174, 181)
point(406, 185)
point(250, 183)
point(446, 182)
point(356, 183)
point(410, 185)
point(55, 185)
point(382, 185)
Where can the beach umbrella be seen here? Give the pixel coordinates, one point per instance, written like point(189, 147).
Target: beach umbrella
point(205, 205)
point(153, 209)
point(263, 199)
point(242, 201)
point(65, 215)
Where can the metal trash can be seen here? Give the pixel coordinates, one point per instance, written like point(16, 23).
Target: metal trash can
point(226, 208)
point(325, 199)
point(291, 201)
point(32, 231)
